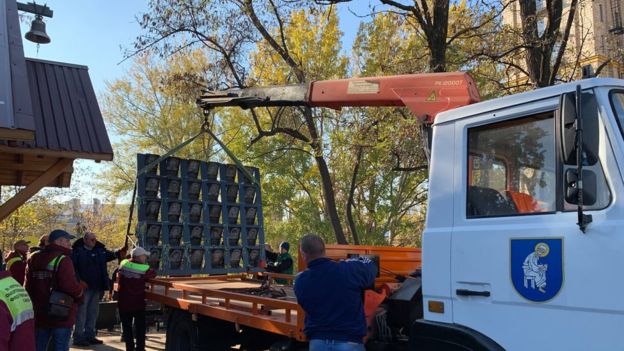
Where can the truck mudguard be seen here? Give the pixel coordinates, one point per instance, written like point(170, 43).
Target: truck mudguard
point(428, 335)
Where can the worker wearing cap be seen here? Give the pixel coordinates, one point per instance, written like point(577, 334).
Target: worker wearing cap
point(16, 260)
point(132, 276)
point(330, 293)
point(53, 261)
point(282, 262)
point(43, 241)
point(17, 319)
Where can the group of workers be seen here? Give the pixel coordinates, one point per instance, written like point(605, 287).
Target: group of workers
point(50, 290)
point(329, 292)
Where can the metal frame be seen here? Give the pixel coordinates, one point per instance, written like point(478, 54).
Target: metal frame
point(283, 317)
point(272, 315)
point(162, 197)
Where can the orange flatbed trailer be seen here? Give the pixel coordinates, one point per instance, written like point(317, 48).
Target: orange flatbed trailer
point(212, 296)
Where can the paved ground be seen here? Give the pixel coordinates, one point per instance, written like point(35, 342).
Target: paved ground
point(155, 342)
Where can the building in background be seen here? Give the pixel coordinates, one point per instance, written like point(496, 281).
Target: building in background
point(77, 214)
point(596, 37)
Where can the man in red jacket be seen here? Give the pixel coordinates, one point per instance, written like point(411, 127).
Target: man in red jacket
point(16, 260)
point(39, 271)
point(17, 323)
point(131, 279)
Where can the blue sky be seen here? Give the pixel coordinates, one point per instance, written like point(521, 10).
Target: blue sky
point(95, 33)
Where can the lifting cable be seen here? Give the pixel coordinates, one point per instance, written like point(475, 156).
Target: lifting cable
point(205, 128)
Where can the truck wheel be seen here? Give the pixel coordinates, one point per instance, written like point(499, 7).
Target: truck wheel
point(207, 334)
point(438, 336)
point(180, 331)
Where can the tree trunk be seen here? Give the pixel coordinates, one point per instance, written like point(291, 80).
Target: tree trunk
point(437, 61)
point(328, 189)
point(540, 48)
point(436, 36)
point(352, 226)
point(330, 200)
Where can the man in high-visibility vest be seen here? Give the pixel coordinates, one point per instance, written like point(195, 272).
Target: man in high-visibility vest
point(50, 268)
point(43, 241)
point(131, 279)
point(16, 260)
point(17, 319)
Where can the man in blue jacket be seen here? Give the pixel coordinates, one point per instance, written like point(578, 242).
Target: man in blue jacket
point(90, 257)
point(330, 293)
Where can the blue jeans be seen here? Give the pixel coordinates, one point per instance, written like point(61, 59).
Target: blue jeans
point(87, 315)
point(333, 345)
point(60, 338)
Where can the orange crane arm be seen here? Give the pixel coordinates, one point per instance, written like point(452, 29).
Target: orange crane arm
point(425, 94)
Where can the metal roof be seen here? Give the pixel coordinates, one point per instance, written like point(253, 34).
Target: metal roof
point(16, 116)
point(68, 121)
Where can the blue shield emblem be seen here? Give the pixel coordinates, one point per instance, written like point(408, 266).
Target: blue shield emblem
point(537, 268)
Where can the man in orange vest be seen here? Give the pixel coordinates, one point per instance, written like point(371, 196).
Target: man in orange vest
point(16, 260)
point(17, 319)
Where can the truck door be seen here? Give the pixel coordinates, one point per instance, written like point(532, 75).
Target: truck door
point(522, 272)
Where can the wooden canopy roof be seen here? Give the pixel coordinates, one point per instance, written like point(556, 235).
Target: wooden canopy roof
point(49, 116)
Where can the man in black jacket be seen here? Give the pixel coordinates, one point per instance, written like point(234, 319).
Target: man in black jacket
point(330, 293)
point(90, 257)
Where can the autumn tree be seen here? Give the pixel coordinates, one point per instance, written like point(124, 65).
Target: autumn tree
point(226, 28)
point(107, 221)
point(152, 110)
point(544, 49)
point(533, 44)
point(39, 215)
point(430, 20)
point(20, 224)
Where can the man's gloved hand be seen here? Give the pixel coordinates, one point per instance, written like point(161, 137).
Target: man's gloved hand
point(262, 264)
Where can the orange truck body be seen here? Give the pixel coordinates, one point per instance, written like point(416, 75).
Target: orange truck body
point(206, 295)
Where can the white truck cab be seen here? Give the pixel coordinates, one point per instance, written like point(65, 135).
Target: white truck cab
point(522, 248)
point(505, 262)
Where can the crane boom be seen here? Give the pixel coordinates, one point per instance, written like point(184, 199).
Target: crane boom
point(425, 94)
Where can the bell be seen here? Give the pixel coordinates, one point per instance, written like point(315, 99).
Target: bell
point(37, 33)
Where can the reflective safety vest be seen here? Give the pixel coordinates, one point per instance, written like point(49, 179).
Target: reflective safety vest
point(17, 301)
point(55, 262)
point(133, 267)
point(13, 260)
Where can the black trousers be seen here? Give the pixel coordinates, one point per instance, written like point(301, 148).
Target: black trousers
point(139, 327)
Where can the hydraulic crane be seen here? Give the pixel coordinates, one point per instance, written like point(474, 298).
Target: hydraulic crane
point(425, 95)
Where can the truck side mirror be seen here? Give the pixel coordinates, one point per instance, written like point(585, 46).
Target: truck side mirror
point(589, 187)
point(567, 122)
point(567, 119)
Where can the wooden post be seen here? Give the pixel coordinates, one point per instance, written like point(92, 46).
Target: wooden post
point(29, 191)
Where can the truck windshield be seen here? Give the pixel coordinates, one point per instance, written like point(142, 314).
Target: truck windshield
point(512, 167)
point(617, 100)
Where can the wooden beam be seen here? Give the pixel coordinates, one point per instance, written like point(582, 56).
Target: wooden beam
point(20, 174)
point(17, 134)
point(32, 166)
point(42, 181)
point(10, 178)
point(52, 153)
